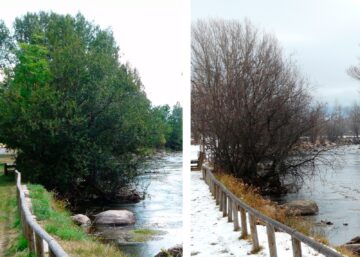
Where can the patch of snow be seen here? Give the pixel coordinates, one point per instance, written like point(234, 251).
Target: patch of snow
point(213, 235)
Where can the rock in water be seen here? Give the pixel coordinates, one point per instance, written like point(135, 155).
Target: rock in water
point(176, 251)
point(81, 220)
point(115, 217)
point(353, 245)
point(301, 208)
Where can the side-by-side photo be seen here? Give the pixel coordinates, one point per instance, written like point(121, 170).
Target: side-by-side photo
point(91, 129)
point(274, 128)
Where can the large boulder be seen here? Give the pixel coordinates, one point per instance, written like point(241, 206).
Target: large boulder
point(353, 245)
point(81, 220)
point(301, 208)
point(115, 217)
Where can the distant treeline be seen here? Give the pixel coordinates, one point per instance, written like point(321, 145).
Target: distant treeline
point(78, 117)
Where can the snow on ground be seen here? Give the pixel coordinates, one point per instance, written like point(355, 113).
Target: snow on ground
point(213, 235)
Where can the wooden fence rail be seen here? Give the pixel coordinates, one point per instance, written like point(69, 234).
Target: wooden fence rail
point(230, 205)
point(33, 232)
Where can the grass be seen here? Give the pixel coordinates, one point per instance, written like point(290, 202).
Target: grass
point(252, 197)
point(143, 234)
point(11, 237)
point(53, 216)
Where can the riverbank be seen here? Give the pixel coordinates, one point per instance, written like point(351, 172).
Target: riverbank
point(217, 235)
point(160, 211)
point(53, 216)
point(336, 191)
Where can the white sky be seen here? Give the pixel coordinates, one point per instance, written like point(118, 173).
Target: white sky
point(150, 34)
point(322, 35)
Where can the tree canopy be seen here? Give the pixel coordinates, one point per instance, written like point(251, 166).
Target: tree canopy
point(78, 118)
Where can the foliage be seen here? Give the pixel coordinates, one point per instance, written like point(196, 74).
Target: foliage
point(167, 126)
point(78, 118)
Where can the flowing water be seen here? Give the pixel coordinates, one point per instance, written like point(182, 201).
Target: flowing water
point(160, 211)
point(337, 193)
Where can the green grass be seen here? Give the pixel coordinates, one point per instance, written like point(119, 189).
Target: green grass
point(56, 220)
point(143, 234)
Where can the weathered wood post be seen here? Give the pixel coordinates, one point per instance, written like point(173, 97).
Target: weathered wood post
point(224, 204)
point(31, 239)
point(221, 199)
point(217, 192)
point(235, 216)
point(39, 246)
point(296, 245)
point(271, 240)
point(254, 234)
point(244, 232)
point(230, 212)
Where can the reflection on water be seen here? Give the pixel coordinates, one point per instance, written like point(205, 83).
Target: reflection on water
point(337, 193)
point(161, 210)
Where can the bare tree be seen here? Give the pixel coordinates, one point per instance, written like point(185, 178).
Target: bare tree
point(250, 103)
point(355, 119)
point(335, 128)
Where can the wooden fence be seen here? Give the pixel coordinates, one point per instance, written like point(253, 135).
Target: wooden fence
point(32, 231)
point(230, 206)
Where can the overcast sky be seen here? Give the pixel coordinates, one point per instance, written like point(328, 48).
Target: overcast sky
point(149, 34)
point(322, 35)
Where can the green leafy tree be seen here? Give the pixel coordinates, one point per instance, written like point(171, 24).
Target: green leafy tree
point(175, 121)
point(77, 117)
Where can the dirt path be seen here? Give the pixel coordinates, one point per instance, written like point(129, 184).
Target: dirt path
point(7, 194)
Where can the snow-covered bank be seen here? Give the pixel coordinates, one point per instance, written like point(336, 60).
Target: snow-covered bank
point(213, 235)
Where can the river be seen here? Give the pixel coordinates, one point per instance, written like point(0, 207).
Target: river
point(337, 193)
point(160, 211)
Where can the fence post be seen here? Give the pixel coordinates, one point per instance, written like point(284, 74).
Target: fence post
point(224, 204)
point(235, 216)
point(31, 239)
point(221, 199)
point(39, 246)
point(296, 245)
point(244, 232)
point(5, 169)
point(254, 234)
point(217, 194)
point(271, 240)
point(230, 212)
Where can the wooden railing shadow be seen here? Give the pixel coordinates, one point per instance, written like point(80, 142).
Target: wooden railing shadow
point(231, 205)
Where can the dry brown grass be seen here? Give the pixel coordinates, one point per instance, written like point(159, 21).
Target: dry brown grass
point(251, 196)
point(345, 251)
point(90, 248)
